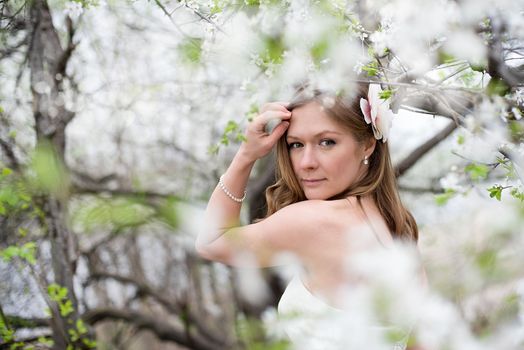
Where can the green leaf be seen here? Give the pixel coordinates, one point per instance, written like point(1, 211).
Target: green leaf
point(190, 50)
point(81, 327)
point(498, 87)
point(114, 213)
point(445, 58)
point(517, 130)
point(25, 252)
point(9, 196)
point(252, 112)
point(230, 127)
point(240, 137)
point(16, 345)
point(319, 50)
point(6, 172)
point(169, 213)
point(486, 260)
point(45, 341)
point(216, 7)
point(386, 94)
point(51, 175)
point(66, 308)
point(89, 343)
point(477, 67)
point(273, 51)
point(22, 231)
point(517, 194)
point(372, 71)
point(477, 172)
point(28, 252)
point(495, 191)
point(8, 253)
point(443, 198)
point(56, 292)
point(73, 335)
point(213, 149)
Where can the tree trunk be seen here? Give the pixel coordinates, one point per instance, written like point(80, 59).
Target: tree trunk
point(47, 62)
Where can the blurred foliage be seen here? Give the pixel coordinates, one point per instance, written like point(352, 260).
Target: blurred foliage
point(495, 192)
point(497, 86)
point(26, 252)
point(232, 133)
point(190, 50)
point(442, 198)
point(112, 214)
point(47, 174)
point(77, 331)
point(168, 212)
point(50, 173)
point(15, 196)
point(477, 172)
point(59, 295)
point(252, 333)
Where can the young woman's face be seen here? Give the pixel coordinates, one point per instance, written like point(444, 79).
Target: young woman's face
point(326, 158)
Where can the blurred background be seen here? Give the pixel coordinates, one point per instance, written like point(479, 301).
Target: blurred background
point(118, 117)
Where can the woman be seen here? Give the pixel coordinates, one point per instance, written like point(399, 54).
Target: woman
point(334, 177)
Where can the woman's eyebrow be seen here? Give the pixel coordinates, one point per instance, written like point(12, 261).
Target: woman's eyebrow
point(316, 135)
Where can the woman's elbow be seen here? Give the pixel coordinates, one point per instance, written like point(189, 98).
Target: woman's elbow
point(200, 249)
point(211, 251)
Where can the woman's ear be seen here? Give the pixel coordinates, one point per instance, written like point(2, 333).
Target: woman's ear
point(369, 146)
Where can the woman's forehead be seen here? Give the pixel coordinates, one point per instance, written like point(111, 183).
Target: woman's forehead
point(311, 119)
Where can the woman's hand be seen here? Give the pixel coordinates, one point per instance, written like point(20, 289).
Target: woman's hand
point(258, 141)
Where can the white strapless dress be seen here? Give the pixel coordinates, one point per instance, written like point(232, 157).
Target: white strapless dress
point(310, 323)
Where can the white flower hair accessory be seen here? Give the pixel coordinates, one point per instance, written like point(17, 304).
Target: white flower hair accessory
point(377, 112)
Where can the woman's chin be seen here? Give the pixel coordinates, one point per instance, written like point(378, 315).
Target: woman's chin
point(310, 195)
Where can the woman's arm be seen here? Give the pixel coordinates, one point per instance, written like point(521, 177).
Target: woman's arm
point(222, 212)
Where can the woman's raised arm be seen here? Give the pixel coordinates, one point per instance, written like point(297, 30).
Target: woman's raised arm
point(223, 209)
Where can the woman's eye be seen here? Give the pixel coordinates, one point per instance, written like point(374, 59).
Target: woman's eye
point(327, 142)
point(294, 145)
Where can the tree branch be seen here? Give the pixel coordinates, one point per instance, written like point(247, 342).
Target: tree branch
point(161, 328)
point(497, 67)
point(143, 289)
point(10, 154)
point(423, 149)
point(18, 322)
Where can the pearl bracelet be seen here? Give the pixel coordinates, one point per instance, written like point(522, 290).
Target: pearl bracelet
point(226, 191)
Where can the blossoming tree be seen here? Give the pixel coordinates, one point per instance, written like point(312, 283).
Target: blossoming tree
point(116, 115)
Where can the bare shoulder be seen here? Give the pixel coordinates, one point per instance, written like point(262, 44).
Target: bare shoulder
point(310, 214)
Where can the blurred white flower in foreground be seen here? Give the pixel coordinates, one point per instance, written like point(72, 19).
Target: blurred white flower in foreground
point(452, 181)
point(520, 293)
point(73, 9)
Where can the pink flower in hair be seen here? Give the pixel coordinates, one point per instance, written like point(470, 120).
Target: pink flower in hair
point(377, 112)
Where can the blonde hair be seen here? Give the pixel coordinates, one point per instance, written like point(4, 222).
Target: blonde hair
point(379, 181)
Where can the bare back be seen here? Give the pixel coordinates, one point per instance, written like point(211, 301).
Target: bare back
point(352, 231)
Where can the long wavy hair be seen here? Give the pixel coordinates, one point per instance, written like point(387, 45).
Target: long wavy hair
point(379, 181)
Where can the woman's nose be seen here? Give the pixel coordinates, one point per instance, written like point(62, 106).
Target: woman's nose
point(309, 159)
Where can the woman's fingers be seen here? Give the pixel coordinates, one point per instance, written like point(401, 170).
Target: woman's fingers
point(264, 118)
point(277, 106)
point(265, 129)
point(278, 131)
point(271, 125)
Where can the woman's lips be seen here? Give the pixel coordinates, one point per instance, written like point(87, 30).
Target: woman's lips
point(312, 182)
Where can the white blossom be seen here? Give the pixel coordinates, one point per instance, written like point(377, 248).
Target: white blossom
point(73, 9)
